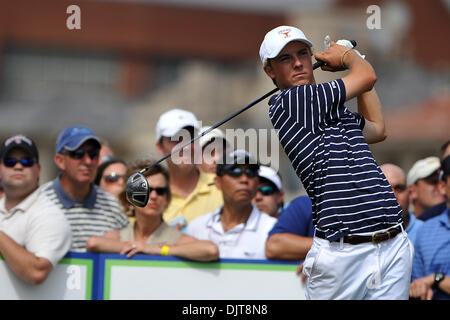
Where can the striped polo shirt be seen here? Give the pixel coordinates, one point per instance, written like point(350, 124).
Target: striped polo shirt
point(326, 147)
point(98, 213)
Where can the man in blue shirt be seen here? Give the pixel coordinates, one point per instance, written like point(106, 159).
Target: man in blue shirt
point(360, 249)
point(431, 266)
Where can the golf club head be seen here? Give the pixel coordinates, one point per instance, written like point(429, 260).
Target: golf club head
point(137, 190)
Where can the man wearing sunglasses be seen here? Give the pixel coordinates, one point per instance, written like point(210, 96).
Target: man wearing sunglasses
point(238, 228)
point(422, 181)
point(34, 234)
point(269, 195)
point(90, 210)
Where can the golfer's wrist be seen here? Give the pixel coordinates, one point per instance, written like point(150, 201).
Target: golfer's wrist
point(348, 58)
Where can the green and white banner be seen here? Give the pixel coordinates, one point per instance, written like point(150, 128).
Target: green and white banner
point(85, 276)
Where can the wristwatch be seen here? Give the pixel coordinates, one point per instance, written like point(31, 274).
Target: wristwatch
point(438, 277)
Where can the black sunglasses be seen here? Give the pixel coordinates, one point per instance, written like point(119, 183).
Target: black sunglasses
point(238, 171)
point(267, 190)
point(113, 177)
point(11, 162)
point(160, 191)
point(79, 153)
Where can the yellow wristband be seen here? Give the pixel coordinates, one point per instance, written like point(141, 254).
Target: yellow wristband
point(165, 250)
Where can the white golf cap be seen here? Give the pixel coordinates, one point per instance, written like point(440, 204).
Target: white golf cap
point(422, 169)
point(271, 175)
point(213, 134)
point(276, 39)
point(174, 120)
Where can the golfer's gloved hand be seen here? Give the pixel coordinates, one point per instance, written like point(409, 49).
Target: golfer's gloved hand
point(349, 45)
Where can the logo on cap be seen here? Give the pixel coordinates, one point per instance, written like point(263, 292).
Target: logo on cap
point(285, 32)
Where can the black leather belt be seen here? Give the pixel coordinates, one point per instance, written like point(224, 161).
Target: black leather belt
point(376, 237)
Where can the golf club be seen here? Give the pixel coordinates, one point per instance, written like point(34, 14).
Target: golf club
point(137, 188)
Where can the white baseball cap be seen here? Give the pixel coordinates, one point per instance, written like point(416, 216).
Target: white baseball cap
point(422, 169)
point(276, 39)
point(174, 120)
point(213, 134)
point(271, 175)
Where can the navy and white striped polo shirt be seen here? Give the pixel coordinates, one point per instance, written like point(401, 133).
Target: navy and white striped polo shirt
point(324, 142)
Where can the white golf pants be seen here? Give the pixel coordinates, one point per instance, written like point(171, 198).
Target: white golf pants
point(337, 270)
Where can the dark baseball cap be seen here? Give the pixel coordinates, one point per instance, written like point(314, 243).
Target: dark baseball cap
point(73, 137)
point(20, 142)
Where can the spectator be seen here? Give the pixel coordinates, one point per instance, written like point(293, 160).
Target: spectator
point(111, 176)
point(269, 195)
point(34, 234)
point(192, 194)
point(292, 235)
point(149, 234)
point(238, 228)
point(214, 145)
point(431, 266)
point(422, 182)
point(397, 179)
point(90, 210)
point(438, 208)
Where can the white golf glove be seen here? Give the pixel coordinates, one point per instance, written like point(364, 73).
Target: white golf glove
point(349, 45)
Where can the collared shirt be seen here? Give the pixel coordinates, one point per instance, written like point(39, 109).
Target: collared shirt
point(98, 213)
point(432, 249)
point(326, 147)
point(38, 225)
point(414, 227)
point(203, 199)
point(244, 241)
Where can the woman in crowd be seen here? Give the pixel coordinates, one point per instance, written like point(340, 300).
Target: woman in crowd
point(149, 234)
point(110, 176)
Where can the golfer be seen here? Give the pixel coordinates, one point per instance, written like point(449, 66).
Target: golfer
point(360, 249)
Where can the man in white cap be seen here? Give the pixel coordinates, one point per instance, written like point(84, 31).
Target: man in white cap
point(213, 144)
point(193, 193)
point(360, 249)
point(423, 180)
point(269, 195)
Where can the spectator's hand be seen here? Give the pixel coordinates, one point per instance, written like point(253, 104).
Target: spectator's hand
point(421, 288)
point(300, 271)
point(129, 248)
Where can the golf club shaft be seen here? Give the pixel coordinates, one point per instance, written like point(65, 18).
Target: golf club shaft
point(210, 129)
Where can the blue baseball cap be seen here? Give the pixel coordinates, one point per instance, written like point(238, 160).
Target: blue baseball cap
point(73, 137)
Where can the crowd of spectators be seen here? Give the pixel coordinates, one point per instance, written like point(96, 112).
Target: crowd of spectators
point(225, 206)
